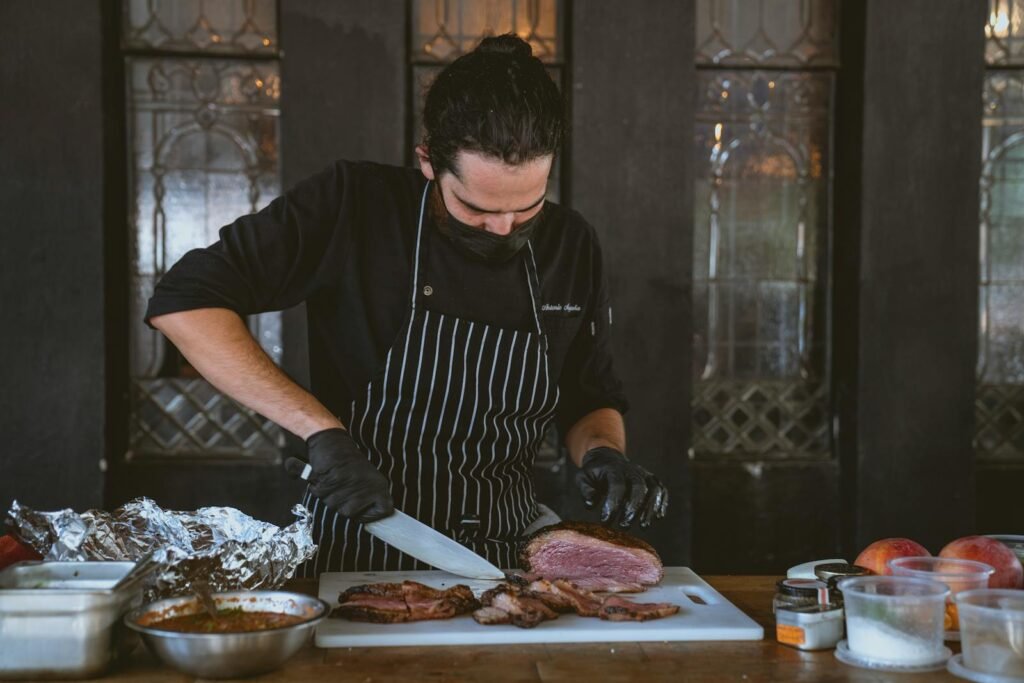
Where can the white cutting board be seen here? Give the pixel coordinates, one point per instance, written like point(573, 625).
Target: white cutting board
point(716, 619)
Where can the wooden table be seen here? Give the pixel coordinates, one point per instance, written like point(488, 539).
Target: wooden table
point(764, 660)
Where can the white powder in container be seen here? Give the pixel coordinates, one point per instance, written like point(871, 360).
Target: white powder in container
point(873, 639)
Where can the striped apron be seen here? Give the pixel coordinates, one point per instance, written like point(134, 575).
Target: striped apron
point(454, 418)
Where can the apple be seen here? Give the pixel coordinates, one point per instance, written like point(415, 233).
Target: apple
point(877, 555)
point(1009, 572)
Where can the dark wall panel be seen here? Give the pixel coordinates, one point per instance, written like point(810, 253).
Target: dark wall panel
point(920, 146)
point(763, 517)
point(343, 96)
point(343, 83)
point(631, 177)
point(51, 254)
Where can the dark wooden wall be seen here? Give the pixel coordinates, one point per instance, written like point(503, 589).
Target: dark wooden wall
point(908, 163)
point(631, 177)
point(52, 313)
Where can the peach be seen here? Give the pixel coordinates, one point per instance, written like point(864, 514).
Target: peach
point(1009, 572)
point(876, 556)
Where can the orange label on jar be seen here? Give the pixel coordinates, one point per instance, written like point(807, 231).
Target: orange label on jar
point(789, 635)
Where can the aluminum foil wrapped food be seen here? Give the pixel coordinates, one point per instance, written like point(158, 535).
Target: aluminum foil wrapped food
point(224, 546)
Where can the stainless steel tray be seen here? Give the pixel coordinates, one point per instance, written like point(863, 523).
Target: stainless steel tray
point(62, 619)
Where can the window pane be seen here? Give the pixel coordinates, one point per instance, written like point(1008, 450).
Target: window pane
point(445, 29)
point(1000, 400)
point(760, 269)
point(221, 26)
point(1004, 33)
point(203, 151)
point(767, 32)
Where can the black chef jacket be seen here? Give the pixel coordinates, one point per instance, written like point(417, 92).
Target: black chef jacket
point(343, 241)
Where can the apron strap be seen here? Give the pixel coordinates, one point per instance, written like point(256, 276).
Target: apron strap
point(416, 259)
point(533, 280)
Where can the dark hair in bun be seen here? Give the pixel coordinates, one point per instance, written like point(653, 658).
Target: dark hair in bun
point(497, 100)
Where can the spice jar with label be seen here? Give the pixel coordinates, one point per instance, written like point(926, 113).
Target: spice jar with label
point(808, 615)
point(813, 627)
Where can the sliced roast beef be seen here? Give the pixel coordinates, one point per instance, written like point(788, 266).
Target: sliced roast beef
point(602, 585)
point(390, 603)
point(584, 603)
point(621, 609)
point(525, 608)
point(490, 616)
point(584, 551)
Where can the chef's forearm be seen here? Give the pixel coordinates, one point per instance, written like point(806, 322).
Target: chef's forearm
point(602, 427)
point(219, 346)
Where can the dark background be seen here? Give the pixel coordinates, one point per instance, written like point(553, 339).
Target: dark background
point(904, 336)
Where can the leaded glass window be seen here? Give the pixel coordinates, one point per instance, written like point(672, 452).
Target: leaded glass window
point(999, 401)
point(443, 30)
point(762, 224)
point(203, 149)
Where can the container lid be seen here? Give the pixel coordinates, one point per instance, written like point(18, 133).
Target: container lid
point(839, 570)
point(846, 656)
point(956, 666)
point(804, 588)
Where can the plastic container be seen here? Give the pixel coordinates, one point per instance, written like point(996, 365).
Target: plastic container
point(1014, 543)
point(63, 619)
point(992, 631)
point(893, 623)
point(958, 575)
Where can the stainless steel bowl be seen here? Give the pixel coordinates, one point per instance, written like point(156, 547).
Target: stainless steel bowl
point(228, 655)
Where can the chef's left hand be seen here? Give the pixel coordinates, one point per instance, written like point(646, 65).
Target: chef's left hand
point(627, 489)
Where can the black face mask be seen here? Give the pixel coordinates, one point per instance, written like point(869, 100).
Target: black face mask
point(485, 246)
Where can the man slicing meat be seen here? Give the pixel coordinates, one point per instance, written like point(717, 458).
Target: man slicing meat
point(453, 314)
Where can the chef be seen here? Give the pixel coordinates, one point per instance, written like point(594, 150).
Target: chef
point(453, 315)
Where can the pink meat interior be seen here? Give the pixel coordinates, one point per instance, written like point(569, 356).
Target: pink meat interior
point(573, 555)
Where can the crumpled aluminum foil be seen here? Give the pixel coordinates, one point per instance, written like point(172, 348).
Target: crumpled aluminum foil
point(223, 546)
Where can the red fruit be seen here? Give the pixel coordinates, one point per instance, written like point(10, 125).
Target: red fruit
point(876, 556)
point(12, 550)
point(1009, 572)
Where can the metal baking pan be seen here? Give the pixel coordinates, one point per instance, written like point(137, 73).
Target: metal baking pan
point(63, 619)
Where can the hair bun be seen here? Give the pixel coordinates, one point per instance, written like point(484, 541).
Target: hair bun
point(507, 44)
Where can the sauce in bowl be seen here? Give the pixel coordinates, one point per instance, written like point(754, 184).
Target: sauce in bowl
point(227, 621)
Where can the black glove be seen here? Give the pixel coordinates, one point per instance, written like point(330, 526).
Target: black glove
point(343, 478)
point(627, 488)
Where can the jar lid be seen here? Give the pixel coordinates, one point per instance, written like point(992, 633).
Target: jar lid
point(838, 570)
point(804, 588)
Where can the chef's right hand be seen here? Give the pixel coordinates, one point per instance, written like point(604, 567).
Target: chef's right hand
point(343, 478)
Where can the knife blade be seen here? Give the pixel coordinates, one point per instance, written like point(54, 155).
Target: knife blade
point(416, 539)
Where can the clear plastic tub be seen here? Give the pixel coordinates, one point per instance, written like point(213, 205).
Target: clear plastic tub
point(1014, 543)
point(958, 575)
point(894, 622)
point(992, 631)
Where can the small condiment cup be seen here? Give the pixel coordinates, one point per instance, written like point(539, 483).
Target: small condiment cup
point(893, 623)
point(958, 575)
point(992, 631)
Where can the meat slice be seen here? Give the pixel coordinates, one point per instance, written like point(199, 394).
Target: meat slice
point(621, 609)
point(602, 585)
point(429, 603)
point(525, 608)
point(391, 603)
point(523, 611)
point(490, 616)
point(584, 603)
point(583, 551)
point(551, 596)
